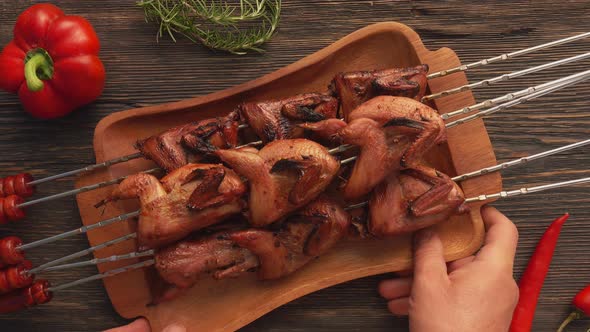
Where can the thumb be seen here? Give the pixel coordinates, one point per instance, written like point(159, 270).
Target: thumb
point(430, 267)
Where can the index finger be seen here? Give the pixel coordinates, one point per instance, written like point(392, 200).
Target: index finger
point(501, 237)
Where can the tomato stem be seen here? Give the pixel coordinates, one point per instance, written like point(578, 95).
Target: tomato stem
point(574, 315)
point(38, 67)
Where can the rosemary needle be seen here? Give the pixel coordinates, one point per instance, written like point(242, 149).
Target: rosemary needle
point(218, 25)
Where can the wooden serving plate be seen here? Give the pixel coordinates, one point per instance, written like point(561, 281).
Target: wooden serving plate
point(230, 304)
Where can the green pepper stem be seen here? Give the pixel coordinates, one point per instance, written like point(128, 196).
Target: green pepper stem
point(574, 315)
point(38, 67)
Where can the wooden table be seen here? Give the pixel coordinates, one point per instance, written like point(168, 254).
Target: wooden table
point(143, 72)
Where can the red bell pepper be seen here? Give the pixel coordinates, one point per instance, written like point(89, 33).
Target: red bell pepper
point(52, 62)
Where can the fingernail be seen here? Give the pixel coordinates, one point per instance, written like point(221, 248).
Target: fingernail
point(174, 328)
point(423, 235)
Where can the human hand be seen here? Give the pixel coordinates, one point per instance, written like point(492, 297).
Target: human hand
point(142, 325)
point(476, 293)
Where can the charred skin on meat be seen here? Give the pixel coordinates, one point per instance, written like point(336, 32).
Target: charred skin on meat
point(277, 119)
point(392, 133)
point(415, 198)
point(190, 143)
point(188, 199)
point(308, 233)
point(354, 88)
point(284, 175)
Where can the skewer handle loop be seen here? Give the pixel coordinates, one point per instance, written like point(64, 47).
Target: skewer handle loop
point(9, 252)
point(20, 299)
point(17, 185)
point(10, 210)
point(16, 277)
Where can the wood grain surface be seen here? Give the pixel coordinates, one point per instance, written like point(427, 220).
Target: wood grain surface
point(143, 72)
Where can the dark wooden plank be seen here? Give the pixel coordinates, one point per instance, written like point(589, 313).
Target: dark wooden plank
point(143, 72)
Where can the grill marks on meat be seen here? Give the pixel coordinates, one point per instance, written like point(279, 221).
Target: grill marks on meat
point(222, 133)
point(413, 199)
point(354, 88)
point(188, 199)
point(169, 148)
point(284, 176)
point(277, 119)
point(302, 237)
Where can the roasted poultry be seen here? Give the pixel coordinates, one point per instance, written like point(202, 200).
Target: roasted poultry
point(189, 198)
point(354, 88)
point(184, 263)
point(305, 235)
point(393, 133)
point(277, 119)
point(381, 151)
point(284, 176)
point(190, 143)
point(406, 117)
point(308, 233)
point(287, 174)
point(413, 199)
point(270, 120)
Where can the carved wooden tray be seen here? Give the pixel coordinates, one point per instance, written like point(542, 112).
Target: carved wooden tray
point(230, 304)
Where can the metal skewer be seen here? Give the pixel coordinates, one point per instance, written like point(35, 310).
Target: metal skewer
point(97, 261)
point(80, 230)
point(356, 206)
point(520, 161)
point(87, 168)
point(522, 191)
point(508, 56)
point(103, 275)
point(81, 189)
point(512, 96)
point(83, 252)
point(505, 77)
point(567, 81)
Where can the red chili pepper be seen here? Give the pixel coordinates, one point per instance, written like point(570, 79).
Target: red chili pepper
point(581, 304)
point(52, 62)
point(533, 277)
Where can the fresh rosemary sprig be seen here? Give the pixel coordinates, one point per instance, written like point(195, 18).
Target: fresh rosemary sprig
point(217, 24)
